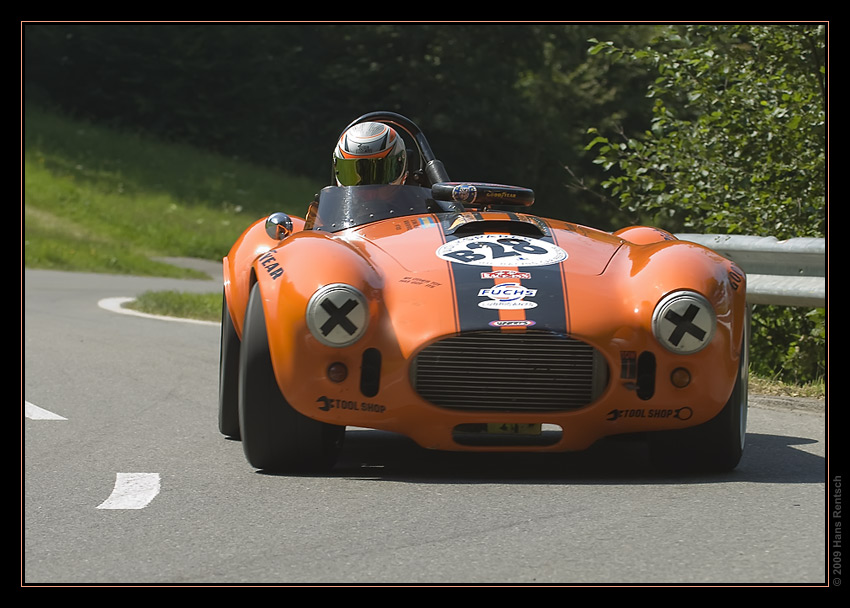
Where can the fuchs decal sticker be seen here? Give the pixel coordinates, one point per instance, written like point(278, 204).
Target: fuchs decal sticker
point(518, 323)
point(507, 296)
point(501, 250)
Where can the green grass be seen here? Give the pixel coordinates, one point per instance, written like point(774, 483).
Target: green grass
point(769, 386)
point(97, 200)
point(201, 306)
point(100, 201)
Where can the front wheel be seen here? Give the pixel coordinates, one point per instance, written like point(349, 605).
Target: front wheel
point(228, 376)
point(717, 445)
point(275, 437)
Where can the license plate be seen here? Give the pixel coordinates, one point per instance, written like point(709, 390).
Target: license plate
point(514, 429)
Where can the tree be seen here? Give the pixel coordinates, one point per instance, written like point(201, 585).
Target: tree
point(737, 145)
point(505, 102)
point(738, 136)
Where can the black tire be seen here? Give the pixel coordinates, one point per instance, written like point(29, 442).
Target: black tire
point(275, 437)
point(228, 376)
point(717, 445)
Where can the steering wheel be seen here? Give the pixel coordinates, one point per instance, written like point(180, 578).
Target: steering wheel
point(478, 194)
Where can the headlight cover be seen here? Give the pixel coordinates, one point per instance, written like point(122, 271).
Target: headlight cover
point(337, 315)
point(684, 322)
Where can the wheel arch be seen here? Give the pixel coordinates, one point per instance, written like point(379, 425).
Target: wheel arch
point(239, 267)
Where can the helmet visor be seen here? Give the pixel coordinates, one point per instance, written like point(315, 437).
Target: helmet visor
point(363, 171)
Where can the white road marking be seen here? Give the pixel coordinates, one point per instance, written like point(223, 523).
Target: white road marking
point(116, 305)
point(132, 491)
point(33, 412)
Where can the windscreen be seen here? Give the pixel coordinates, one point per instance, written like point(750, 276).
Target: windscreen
point(342, 207)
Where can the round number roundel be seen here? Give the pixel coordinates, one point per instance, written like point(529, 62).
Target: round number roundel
point(501, 250)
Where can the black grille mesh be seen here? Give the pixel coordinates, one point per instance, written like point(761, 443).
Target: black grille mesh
point(502, 371)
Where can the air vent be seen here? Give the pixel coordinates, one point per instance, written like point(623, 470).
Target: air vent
point(528, 371)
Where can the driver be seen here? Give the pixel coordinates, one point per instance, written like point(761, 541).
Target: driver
point(370, 153)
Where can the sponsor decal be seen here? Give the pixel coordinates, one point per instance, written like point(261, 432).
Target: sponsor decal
point(507, 296)
point(271, 265)
point(329, 404)
point(501, 250)
point(682, 413)
point(506, 274)
point(736, 277)
point(501, 258)
point(465, 193)
point(628, 365)
point(419, 281)
point(422, 222)
point(516, 323)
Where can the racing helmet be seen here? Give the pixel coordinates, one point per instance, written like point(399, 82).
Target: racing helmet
point(370, 153)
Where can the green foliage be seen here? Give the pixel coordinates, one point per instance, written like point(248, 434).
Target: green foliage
point(737, 142)
point(737, 145)
point(790, 344)
point(201, 306)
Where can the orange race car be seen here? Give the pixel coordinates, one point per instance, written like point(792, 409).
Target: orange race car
point(444, 311)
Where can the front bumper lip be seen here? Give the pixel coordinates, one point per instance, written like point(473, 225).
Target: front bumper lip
point(618, 412)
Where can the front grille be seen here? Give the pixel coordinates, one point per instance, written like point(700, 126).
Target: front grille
point(504, 371)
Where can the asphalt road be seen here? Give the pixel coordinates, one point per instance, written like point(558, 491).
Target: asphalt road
point(126, 480)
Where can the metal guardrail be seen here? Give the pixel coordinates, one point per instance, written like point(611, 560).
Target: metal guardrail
point(783, 273)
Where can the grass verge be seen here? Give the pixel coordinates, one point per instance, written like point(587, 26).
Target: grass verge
point(184, 305)
point(96, 200)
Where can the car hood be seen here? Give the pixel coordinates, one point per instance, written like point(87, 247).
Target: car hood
point(450, 273)
point(425, 243)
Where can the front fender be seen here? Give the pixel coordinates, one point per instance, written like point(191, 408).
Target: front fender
point(649, 273)
point(288, 276)
point(238, 267)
